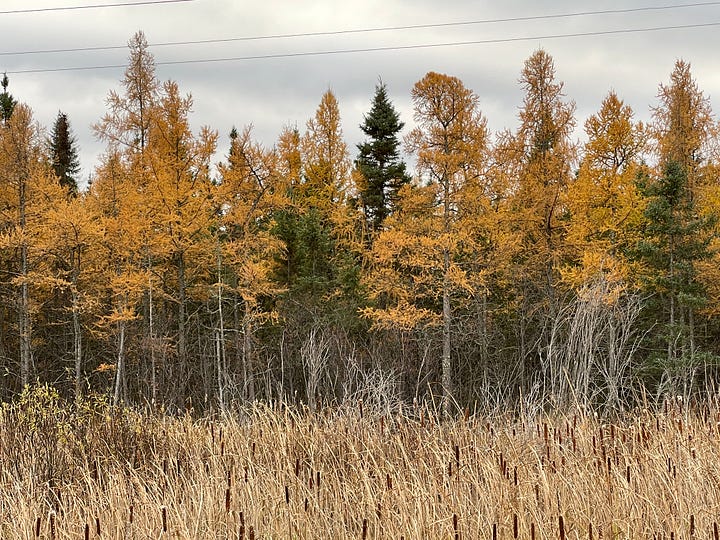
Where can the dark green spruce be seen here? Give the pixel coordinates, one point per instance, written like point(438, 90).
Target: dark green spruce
point(7, 102)
point(379, 159)
point(64, 153)
point(676, 237)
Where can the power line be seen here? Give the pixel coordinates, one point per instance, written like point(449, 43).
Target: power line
point(379, 49)
point(92, 6)
point(363, 30)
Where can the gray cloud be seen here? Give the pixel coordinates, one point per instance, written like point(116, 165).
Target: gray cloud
point(272, 93)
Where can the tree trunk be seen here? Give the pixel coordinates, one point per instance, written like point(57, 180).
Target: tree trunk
point(220, 340)
point(152, 344)
point(182, 338)
point(77, 342)
point(24, 315)
point(24, 320)
point(446, 375)
point(120, 365)
point(249, 351)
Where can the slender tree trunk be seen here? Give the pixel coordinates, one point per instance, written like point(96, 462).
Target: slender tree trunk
point(120, 364)
point(447, 379)
point(77, 328)
point(77, 342)
point(24, 322)
point(239, 348)
point(24, 312)
point(182, 337)
point(220, 339)
point(152, 344)
point(249, 351)
point(446, 368)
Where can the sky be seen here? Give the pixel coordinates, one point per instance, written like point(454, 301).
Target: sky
point(283, 82)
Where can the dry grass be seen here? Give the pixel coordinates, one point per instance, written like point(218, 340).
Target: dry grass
point(278, 474)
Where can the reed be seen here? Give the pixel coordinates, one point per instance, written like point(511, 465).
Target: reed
point(270, 472)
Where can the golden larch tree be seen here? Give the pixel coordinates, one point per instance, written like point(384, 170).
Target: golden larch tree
point(420, 261)
point(604, 202)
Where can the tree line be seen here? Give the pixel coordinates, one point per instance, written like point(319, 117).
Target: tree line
point(514, 267)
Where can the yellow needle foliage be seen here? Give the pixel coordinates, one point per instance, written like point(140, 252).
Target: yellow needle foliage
point(604, 202)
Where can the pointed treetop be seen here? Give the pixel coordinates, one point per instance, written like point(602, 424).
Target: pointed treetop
point(64, 153)
point(7, 102)
point(379, 161)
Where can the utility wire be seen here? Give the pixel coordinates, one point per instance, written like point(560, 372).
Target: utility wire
point(365, 30)
point(378, 49)
point(92, 6)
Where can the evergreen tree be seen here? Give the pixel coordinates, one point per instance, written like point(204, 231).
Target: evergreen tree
point(379, 162)
point(7, 102)
point(64, 154)
point(675, 239)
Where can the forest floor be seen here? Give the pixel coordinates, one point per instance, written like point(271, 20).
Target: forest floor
point(89, 472)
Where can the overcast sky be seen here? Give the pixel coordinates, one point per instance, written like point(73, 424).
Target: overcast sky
point(271, 93)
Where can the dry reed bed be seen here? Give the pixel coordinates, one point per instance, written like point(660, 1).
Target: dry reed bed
point(279, 474)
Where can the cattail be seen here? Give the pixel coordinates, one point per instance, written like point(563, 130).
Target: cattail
point(364, 526)
point(590, 534)
point(388, 481)
point(494, 531)
point(252, 533)
point(515, 526)
point(456, 530)
point(716, 533)
point(164, 519)
point(287, 495)
point(132, 511)
point(227, 500)
point(692, 524)
point(97, 525)
point(532, 531)
point(52, 525)
point(87, 532)
point(37, 527)
point(561, 524)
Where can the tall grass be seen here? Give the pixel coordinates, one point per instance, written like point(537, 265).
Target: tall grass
point(90, 472)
